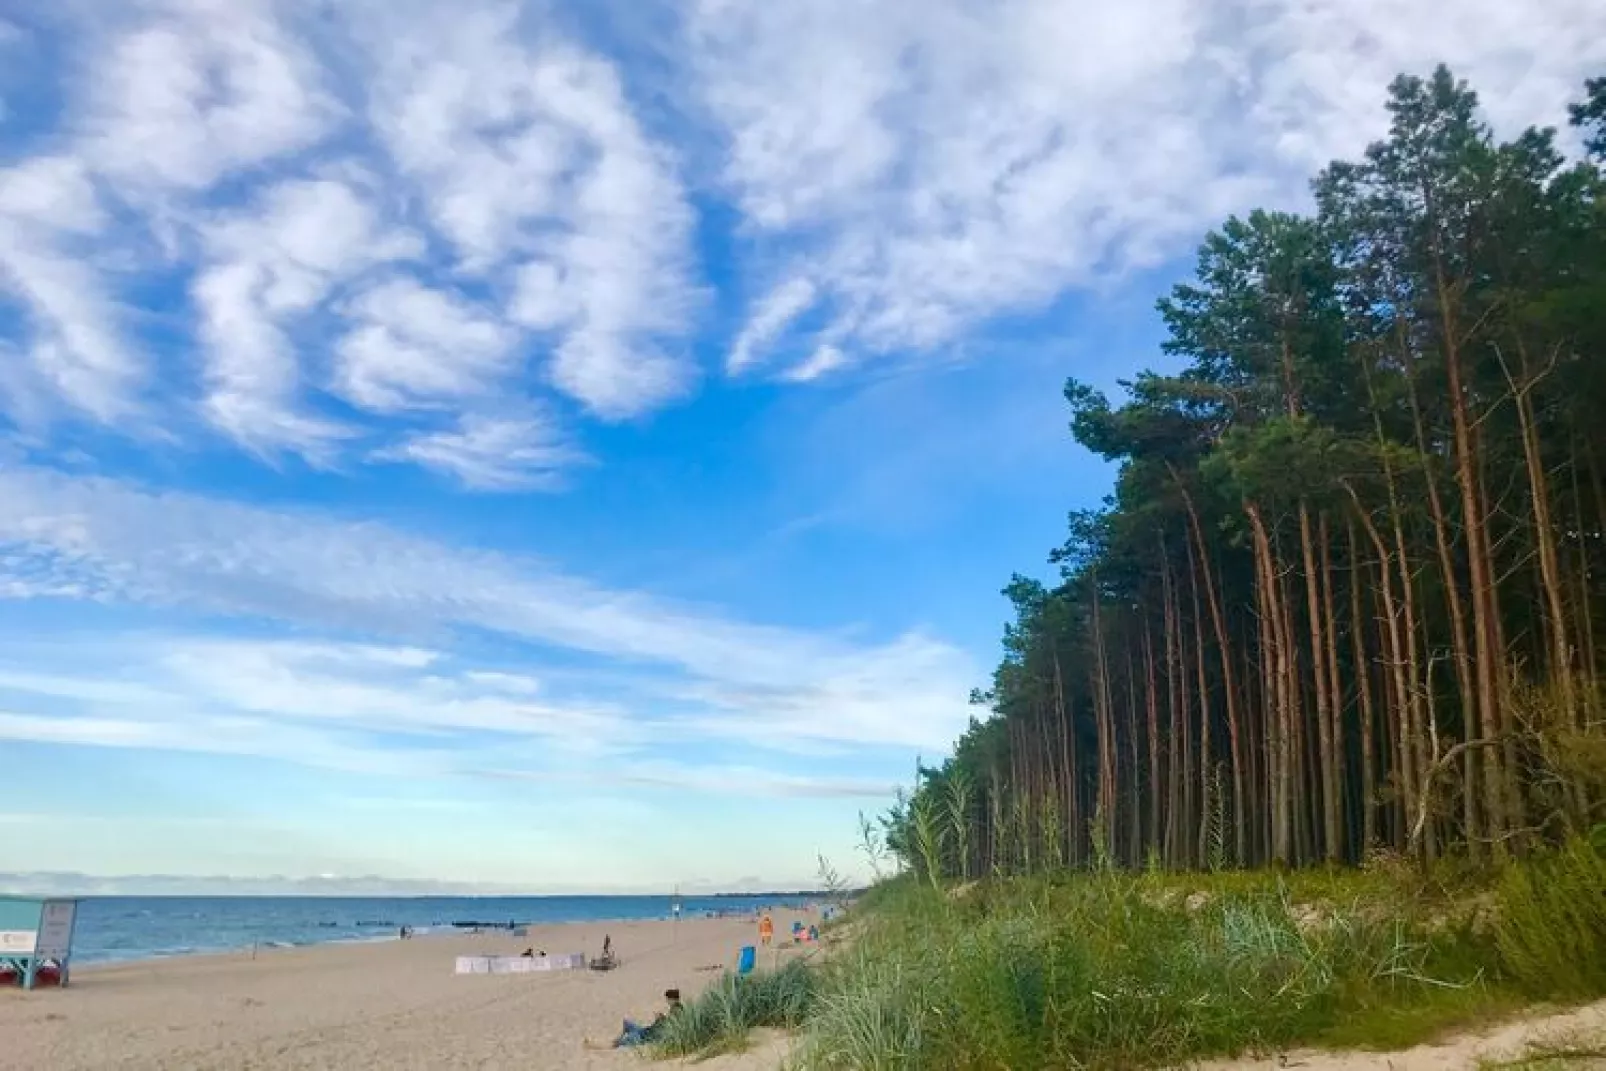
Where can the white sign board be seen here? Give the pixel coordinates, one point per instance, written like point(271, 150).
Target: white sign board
point(55, 930)
point(16, 942)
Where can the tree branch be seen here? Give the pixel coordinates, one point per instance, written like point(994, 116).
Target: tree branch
point(1441, 764)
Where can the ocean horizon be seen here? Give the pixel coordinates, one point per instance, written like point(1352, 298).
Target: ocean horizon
point(123, 928)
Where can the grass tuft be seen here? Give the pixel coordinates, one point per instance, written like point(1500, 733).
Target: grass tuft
point(1552, 922)
point(719, 1019)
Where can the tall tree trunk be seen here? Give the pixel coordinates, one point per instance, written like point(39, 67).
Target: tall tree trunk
point(1228, 683)
point(1135, 809)
point(1324, 716)
point(1335, 691)
point(1278, 757)
point(1188, 817)
point(1107, 779)
point(1473, 802)
point(1068, 761)
point(1488, 656)
point(1363, 687)
point(1173, 712)
point(1302, 765)
point(1205, 786)
point(1582, 603)
point(1561, 651)
point(1404, 748)
point(1153, 709)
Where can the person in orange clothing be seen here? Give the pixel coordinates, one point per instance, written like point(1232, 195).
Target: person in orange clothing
point(766, 929)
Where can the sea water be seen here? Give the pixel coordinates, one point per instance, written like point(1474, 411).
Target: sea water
point(139, 927)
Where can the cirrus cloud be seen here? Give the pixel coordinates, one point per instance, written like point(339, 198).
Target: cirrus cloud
point(699, 668)
point(896, 177)
point(232, 176)
point(932, 166)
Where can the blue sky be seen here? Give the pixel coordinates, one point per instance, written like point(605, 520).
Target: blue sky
point(553, 446)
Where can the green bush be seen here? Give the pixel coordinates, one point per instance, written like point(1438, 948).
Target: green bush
point(1551, 927)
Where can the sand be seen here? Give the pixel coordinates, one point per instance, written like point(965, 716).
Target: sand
point(395, 1004)
point(1463, 1051)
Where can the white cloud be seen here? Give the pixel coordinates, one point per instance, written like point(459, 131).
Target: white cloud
point(493, 454)
point(196, 89)
point(270, 264)
point(933, 165)
point(848, 701)
point(344, 706)
point(179, 95)
point(528, 154)
point(716, 779)
point(770, 317)
point(328, 704)
point(212, 736)
point(264, 160)
point(901, 174)
point(49, 215)
point(413, 346)
point(746, 681)
point(825, 358)
point(377, 688)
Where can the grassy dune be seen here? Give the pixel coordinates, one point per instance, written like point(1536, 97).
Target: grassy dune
point(1119, 971)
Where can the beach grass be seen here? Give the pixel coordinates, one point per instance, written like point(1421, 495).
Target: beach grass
point(1103, 973)
point(1114, 970)
point(721, 1017)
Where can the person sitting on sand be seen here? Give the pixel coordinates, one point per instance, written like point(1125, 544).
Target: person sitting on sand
point(606, 961)
point(634, 1034)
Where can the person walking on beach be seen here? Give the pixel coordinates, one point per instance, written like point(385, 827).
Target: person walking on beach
point(766, 929)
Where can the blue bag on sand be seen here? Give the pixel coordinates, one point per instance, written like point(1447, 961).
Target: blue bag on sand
point(746, 960)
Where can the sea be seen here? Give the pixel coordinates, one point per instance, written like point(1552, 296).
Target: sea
point(114, 928)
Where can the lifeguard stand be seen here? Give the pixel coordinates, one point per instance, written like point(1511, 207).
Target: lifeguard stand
point(35, 934)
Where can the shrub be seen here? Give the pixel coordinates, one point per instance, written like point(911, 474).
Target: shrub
point(1551, 927)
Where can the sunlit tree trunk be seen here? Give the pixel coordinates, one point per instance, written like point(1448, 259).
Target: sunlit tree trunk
point(1363, 689)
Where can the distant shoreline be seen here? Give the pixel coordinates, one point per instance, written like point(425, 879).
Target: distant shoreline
point(133, 929)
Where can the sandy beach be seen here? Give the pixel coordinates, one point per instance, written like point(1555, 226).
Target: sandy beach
point(398, 1004)
point(395, 1004)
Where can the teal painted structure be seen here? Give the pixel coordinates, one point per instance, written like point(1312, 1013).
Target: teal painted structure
point(35, 934)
